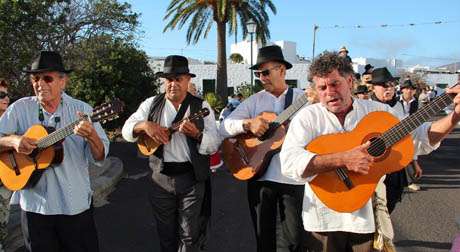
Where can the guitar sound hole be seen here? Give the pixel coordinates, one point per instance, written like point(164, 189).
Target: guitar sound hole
point(377, 147)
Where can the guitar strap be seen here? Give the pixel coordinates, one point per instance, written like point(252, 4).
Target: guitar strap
point(288, 98)
point(180, 114)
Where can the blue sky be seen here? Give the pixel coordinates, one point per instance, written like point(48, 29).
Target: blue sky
point(428, 44)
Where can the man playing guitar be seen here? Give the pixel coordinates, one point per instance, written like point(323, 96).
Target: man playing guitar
point(56, 211)
point(272, 191)
point(337, 111)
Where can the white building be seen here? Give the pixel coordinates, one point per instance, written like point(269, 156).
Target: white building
point(392, 64)
point(238, 74)
point(244, 49)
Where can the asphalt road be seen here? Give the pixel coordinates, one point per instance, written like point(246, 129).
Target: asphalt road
point(423, 221)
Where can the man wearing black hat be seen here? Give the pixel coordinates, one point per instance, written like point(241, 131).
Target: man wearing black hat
point(273, 194)
point(362, 92)
point(56, 212)
point(384, 92)
point(409, 105)
point(181, 164)
point(338, 112)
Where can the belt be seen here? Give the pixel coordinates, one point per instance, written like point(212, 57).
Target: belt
point(176, 168)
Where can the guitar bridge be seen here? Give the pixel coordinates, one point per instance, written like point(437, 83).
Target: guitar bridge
point(14, 164)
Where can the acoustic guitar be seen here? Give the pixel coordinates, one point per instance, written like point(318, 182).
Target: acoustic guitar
point(391, 145)
point(147, 146)
point(248, 156)
point(19, 170)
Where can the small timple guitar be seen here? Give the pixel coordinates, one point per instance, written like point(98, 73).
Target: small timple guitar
point(391, 145)
point(147, 146)
point(18, 170)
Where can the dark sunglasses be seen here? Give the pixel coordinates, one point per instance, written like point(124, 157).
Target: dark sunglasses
point(265, 72)
point(45, 78)
point(3, 94)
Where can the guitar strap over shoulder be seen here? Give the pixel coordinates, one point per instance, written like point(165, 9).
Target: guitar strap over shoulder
point(288, 98)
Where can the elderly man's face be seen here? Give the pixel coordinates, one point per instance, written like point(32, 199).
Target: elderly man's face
point(176, 87)
point(408, 93)
point(48, 86)
point(271, 74)
point(385, 92)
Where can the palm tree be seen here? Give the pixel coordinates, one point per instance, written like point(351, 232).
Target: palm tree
point(204, 13)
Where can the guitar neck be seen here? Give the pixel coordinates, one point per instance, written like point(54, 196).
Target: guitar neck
point(287, 113)
point(410, 123)
point(175, 126)
point(57, 135)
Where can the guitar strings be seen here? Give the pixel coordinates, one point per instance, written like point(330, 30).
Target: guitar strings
point(392, 135)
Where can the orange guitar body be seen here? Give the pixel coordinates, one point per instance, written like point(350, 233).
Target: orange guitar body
point(331, 190)
point(247, 157)
point(25, 163)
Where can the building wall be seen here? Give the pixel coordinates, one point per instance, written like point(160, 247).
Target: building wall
point(240, 73)
point(441, 78)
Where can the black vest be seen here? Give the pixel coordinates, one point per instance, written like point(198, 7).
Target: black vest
point(200, 162)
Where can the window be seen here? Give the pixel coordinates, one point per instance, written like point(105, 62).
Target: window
point(230, 91)
point(209, 86)
point(292, 83)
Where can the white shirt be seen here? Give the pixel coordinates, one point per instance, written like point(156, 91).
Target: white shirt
point(405, 106)
point(177, 149)
point(311, 122)
point(262, 101)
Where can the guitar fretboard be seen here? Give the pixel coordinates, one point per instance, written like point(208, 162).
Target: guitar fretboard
point(287, 113)
point(57, 135)
point(410, 123)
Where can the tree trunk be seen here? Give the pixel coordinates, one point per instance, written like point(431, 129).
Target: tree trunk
point(221, 79)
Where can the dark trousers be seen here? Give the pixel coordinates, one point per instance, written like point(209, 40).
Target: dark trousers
point(338, 242)
point(269, 201)
point(176, 202)
point(56, 233)
point(395, 183)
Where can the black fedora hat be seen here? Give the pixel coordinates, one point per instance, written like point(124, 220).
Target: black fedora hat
point(270, 53)
point(47, 61)
point(175, 65)
point(368, 68)
point(381, 76)
point(361, 89)
point(408, 84)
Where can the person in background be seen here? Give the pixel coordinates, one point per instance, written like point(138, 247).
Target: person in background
point(343, 52)
point(5, 194)
point(232, 104)
point(362, 92)
point(410, 105)
point(192, 89)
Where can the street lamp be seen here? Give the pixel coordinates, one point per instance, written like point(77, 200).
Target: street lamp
point(251, 26)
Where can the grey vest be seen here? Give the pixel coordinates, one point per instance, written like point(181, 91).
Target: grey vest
point(199, 162)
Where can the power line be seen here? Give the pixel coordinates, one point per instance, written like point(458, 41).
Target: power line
point(386, 25)
point(433, 58)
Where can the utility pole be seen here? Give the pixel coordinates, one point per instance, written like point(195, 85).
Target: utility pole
point(315, 28)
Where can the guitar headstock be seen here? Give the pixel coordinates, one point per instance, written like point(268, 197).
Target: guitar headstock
point(107, 111)
point(202, 112)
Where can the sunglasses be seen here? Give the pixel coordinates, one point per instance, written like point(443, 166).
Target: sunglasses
point(3, 94)
point(265, 72)
point(45, 78)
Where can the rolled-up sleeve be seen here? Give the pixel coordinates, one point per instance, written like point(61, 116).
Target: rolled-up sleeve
point(211, 139)
point(294, 157)
point(140, 115)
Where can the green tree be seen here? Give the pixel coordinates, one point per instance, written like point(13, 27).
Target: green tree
point(236, 58)
point(28, 26)
point(204, 13)
point(111, 67)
